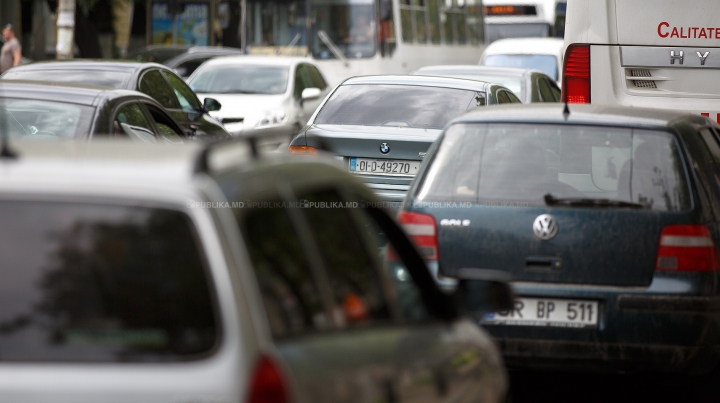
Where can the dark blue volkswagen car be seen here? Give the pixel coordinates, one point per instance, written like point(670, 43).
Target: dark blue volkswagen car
point(605, 217)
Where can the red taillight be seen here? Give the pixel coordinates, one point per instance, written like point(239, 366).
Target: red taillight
point(423, 231)
point(687, 248)
point(576, 75)
point(267, 384)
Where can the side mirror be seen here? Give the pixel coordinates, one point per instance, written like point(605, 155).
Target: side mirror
point(309, 94)
point(483, 291)
point(211, 105)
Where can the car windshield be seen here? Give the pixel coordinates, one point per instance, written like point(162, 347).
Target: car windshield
point(397, 105)
point(101, 283)
point(545, 63)
point(44, 119)
point(514, 84)
point(347, 28)
point(241, 79)
point(113, 79)
point(522, 163)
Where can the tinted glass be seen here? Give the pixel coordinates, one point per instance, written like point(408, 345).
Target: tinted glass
point(503, 97)
point(87, 282)
point(34, 119)
point(187, 68)
point(396, 105)
point(241, 79)
point(351, 270)
point(167, 129)
point(545, 63)
point(289, 291)
point(523, 163)
point(185, 96)
point(512, 83)
point(132, 122)
point(113, 79)
point(546, 94)
point(316, 77)
point(302, 81)
point(347, 28)
point(154, 85)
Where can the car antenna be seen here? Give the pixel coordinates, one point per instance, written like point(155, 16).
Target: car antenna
point(566, 111)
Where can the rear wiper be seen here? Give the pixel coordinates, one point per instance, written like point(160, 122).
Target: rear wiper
point(551, 200)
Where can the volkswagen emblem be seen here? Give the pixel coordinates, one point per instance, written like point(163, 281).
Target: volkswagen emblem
point(384, 148)
point(545, 227)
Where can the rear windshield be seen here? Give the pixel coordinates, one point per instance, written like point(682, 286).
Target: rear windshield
point(99, 283)
point(545, 63)
point(397, 105)
point(35, 119)
point(521, 163)
point(241, 79)
point(112, 79)
point(514, 84)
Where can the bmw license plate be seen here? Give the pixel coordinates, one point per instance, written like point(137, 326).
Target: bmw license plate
point(548, 312)
point(384, 167)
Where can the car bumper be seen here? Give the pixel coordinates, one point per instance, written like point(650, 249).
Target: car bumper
point(650, 329)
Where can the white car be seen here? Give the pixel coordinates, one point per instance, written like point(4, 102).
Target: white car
point(261, 94)
point(147, 273)
point(543, 54)
point(647, 53)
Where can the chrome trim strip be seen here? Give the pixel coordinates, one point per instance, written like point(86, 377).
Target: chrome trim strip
point(658, 56)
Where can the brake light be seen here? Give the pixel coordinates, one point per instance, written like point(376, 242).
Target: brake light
point(303, 150)
point(267, 384)
point(687, 248)
point(576, 75)
point(423, 231)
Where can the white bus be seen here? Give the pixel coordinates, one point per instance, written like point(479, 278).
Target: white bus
point(362, 37)
point(651, 53)
point(524, 18)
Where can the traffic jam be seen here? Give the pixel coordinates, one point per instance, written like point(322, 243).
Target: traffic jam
point(360, 201)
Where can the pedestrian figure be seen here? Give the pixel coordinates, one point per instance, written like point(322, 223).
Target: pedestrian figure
point(11, 53)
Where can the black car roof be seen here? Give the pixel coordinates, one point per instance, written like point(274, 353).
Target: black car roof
point(129, 66)
point(609, 115)
point(65, 92)
point(428, 81)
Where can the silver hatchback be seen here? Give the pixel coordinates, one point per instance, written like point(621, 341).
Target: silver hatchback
point(135, 273)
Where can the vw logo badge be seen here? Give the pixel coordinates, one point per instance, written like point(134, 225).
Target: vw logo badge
point(384, 148)
point(545, 227)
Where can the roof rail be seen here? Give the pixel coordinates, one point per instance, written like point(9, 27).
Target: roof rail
point(202, 162)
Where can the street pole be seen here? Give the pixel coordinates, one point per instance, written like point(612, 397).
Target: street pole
point(243, 25)
point(65, 29)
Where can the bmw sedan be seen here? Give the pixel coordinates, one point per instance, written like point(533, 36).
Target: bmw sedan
point(153, 79)
point(382, 126)
point(44, 110)
point(529, 85)
point(607, 219)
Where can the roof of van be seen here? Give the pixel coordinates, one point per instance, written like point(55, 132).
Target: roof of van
point(519, 46)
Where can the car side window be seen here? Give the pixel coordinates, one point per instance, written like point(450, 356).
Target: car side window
point(167, 129)
point(185, 96)
point(555, 90)
point(711, 141)
point(302, 81)
point(513, 98)
point(154, 85)
point(130, 121)
point(317, 79)
point(287, 284)
point(546, 94)
point(503, 98)
point(357, 289)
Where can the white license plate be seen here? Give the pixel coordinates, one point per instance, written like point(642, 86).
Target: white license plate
point(547, 312)
point(384, 167)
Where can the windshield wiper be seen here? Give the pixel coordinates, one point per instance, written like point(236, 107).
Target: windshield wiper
point(551, 200)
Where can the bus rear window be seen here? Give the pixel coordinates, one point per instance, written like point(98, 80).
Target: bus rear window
point(101, 283)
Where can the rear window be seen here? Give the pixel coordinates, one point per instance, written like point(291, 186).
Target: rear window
point(99, 283)
point(397, 105)
point(35, 119)
point(521, 163)
point(545, 63)
point(113, 79)
point(241, 79)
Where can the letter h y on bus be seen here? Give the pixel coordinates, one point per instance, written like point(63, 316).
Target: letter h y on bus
point(674, 57)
